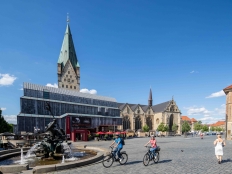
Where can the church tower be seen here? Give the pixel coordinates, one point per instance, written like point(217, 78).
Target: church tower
point(68, 66)
point(150, 98)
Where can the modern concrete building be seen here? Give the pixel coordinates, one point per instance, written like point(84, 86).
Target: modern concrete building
point(78, 113)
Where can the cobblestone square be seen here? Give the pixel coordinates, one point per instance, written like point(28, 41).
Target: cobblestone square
point(198, 156)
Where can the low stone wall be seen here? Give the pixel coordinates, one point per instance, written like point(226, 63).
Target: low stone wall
point(4, 154)
point(65, 166)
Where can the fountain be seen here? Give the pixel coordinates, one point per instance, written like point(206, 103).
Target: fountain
point(22, 161)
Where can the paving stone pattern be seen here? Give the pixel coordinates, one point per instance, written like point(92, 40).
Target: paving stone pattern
point(198, 156)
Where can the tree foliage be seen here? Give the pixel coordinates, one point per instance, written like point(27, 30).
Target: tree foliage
point(186, 127)
point(162, 127)
point(212, 128)
point(197, 126)
point(4, 126)
point(174, 127)
point(205, 128)
point(146, 128)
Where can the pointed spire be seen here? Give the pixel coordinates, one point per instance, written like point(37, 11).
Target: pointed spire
point(150, 98)
point(68, 50)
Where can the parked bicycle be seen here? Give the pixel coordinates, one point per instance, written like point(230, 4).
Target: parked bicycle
point(149, 156)
point(109, 159)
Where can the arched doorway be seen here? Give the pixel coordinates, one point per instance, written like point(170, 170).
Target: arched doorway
point(138, 123)
point(126, 123)
point(149, 123)
point(170, 123)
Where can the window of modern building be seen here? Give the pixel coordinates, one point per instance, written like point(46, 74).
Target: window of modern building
point(46, 94)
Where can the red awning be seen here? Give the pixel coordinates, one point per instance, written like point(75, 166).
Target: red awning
point(100, 133)
point(110, 133)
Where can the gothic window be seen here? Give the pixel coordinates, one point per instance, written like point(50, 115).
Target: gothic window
point(62, 86)
point(149, 122)
point(138, 123)
point(68, 72)
point(126, 123)
point(71, 87)
point(170, 122)
point(149, 112)
point(72, 80)
point(66, 75)
point(68, 80)
point(65, 80)
point(157, 121)
point(138, 111)
point(66, 86)
point(74, 87)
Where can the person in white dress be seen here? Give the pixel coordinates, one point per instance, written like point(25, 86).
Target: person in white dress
point(219, 143)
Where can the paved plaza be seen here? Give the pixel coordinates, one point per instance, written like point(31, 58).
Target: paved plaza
point(197, 157)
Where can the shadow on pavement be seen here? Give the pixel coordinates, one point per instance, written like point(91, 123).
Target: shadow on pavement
point(133, 162)
point(164, 161)
point(226, 161)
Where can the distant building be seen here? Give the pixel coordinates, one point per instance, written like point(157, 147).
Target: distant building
point(221, 124)
point(135, 116)
point(228, 92)
point(191, 121)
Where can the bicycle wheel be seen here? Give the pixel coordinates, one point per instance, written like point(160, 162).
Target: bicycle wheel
point(107, 161)
point(146, 159)
point(124, 158)
point(156, 157)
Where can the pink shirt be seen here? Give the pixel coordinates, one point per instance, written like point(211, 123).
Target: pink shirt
point(153, 143)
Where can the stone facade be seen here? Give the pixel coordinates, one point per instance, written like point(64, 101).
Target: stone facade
point(228, 92)
point(135, 116)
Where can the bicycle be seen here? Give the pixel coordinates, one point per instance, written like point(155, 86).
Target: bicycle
point(150, 156)
point(109, 159)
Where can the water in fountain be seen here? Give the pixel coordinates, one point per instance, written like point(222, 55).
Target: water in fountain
point(62, 159)
point(30, 152)
point(68, 152)
point(22, 157)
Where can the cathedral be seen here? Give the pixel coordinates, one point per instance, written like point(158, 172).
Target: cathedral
point(135, 116)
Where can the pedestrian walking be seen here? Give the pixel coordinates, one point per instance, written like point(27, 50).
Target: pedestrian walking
point(219, 144)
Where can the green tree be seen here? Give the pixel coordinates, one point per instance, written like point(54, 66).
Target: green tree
point(165, 128)
point(161, 127)
point(205, 128)
point(146, 128)
point(212, 128)
point(185, 127)
point(200, 122)
point(219, 129)
point(174, 127)
point(197, 126)
point(4, 126)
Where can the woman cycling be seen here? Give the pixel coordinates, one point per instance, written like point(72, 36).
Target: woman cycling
point(153, 144)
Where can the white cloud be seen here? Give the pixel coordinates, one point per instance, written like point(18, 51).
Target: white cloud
point(205, 115)
point(11, 118)
point(193, 110)
point(3, 109)
point(193, 72)
point(216, 94)
point(7, 79)
point(21, 89)
point(51, 85)
point(92, 91)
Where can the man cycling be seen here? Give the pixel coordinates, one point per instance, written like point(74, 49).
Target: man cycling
point(118, 146)
point(153, 144)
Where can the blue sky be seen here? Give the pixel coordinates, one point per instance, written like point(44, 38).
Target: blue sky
point(180, 48)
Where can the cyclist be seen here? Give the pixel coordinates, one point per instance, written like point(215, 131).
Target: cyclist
point(118, 146)
point(153, 144)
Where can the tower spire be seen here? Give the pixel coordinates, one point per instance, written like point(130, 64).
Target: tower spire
point(67, 18)
point(150, 98)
